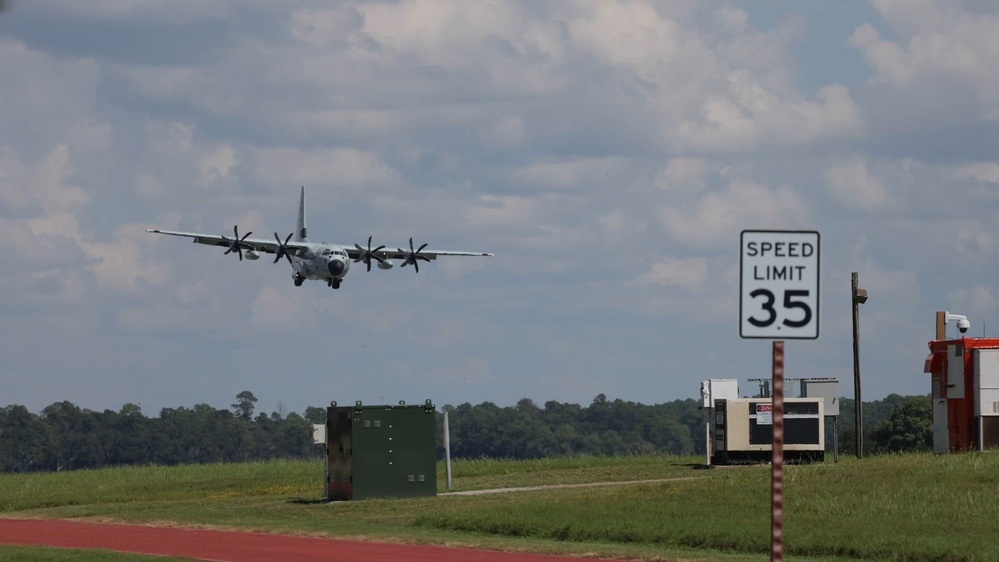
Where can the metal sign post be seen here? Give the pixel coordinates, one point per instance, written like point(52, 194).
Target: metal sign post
point(778, 300)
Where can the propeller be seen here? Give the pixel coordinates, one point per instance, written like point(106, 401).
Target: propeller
point(367, 255)
point(236, 244)
point(282, 247)
point(414, 256)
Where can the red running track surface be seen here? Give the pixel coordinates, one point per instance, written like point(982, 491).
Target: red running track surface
point(236, 546)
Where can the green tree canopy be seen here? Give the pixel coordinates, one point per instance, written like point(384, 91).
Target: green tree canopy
point(243, 408)
point(909, 427)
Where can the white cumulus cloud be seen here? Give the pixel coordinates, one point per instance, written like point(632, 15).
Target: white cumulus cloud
point(852, 185)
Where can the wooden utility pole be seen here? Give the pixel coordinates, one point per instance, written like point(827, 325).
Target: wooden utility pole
point(859, 296)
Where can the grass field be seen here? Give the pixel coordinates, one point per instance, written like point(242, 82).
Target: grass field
point(37, 554)
point(910, 507)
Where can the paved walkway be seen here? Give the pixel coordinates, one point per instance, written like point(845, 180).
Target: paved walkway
point(562, 486)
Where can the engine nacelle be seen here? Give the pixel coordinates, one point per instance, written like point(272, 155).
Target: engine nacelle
point(251, 255)
point(385, 264)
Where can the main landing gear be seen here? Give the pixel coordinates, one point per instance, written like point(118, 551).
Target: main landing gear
point(298, 279)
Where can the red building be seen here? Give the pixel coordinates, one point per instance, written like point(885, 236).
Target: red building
point(964, 375)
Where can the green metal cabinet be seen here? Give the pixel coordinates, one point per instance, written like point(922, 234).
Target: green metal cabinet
point(381, 451)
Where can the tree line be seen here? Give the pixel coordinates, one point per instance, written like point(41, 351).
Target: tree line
point(605, 427)
point(617, 427)
point(65, 437)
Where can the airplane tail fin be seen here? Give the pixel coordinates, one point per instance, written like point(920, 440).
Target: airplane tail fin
point(300, 233)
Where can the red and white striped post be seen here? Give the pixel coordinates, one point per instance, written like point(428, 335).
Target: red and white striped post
point(777, 464)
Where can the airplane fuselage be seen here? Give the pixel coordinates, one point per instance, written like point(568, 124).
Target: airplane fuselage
point(329, 262)
point(322, 262)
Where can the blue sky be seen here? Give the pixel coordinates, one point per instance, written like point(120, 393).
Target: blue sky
point(608, 153)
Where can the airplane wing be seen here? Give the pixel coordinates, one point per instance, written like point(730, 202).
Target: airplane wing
point(432, 254)
point(401, 254)
point(257, 244)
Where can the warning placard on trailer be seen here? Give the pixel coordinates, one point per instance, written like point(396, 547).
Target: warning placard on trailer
point(764, 414)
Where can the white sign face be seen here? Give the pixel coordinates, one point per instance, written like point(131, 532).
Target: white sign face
point(779, 284)
point(764, 414)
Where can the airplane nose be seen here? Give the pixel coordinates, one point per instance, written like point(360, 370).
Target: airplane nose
point(336, 267)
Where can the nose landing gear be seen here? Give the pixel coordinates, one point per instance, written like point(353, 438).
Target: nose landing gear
point(334, 283)
point(298, 280)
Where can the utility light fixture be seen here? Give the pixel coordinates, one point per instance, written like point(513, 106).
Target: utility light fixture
point(860, 296)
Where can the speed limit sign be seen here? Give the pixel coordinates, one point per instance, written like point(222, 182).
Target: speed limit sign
point(779, 284)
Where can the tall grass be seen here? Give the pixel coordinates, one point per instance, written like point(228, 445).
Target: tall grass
point(43, 554)
point(159, 484)
point(911, 507)
point(904, 507)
